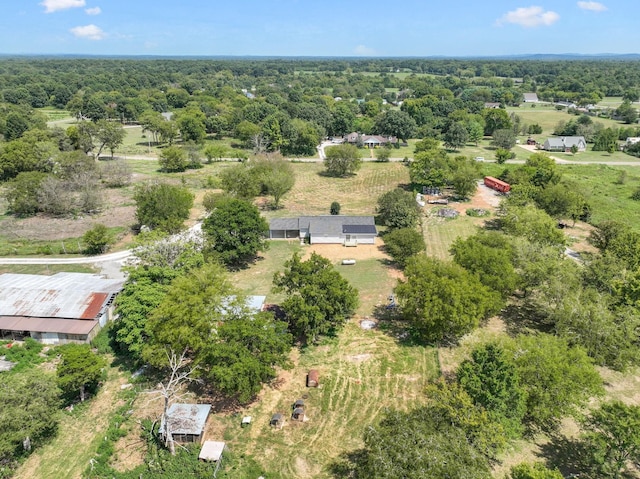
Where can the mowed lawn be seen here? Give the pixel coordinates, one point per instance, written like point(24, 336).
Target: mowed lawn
point(362, 373)
point(314, 192)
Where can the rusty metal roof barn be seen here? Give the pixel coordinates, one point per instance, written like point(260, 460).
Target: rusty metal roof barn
point(63, 295)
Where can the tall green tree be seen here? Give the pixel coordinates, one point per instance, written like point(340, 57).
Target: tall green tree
point(235, 231)
point(396, 123)
point(396, 448)
point(397, 208)
point(491, 379)
point(173, 159)
point(162, 206)
point(489, 255)
point(402, 243)
point(29, 412)
point(245, 354)
point(442, 300)
point(613, 436)
point(558, 379)
point(80, 371)
point(456, 136)
point(319, 300)
point(229, 345)
point(342, 160)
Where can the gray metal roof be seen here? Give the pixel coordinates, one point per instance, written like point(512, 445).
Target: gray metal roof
point(530, 96)
point(187, 418)
point(63, 295)
point(289, 224)
point(327, 224)
point(565, 141)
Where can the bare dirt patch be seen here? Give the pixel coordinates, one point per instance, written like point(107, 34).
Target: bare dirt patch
point(337, 252)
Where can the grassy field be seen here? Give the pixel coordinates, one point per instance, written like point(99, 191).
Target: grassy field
point(548, 117)
point(80, 433)
point(46, 269)
point(357, 194)
point(361, 374)
point(440, 233)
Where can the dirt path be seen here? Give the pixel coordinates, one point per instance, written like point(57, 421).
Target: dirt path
point(67, 456)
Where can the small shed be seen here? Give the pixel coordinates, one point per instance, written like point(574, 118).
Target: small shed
point(212, 451)
point(277, 420)
point(298, 404)
point(312, 378)
point(246, 421)
point(186, 422)
point(298, 414)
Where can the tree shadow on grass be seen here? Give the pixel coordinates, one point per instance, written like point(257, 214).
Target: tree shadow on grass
point(571, 456)
point(391, 323)
point(344, 467)
point(326, 174)
point(522, 318)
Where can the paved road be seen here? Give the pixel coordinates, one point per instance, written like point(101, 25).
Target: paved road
point(562, 161)
point(110, 264)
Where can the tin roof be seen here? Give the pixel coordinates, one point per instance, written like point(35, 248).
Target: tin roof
point(47, 325)
point(63, 295)
point(187, 418)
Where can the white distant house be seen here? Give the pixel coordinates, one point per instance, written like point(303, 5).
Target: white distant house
point(330, 229)
point(632, 140)
point(57, 309)
point(566, 104)
point(530, 97)
point(565, 143)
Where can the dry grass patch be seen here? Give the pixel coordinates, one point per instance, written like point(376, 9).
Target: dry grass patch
point(362, 373)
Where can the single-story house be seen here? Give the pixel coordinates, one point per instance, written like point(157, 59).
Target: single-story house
point(567, 104)
point(329, 229)
point(530, 97)
point(492, 105)
point(186, 422)
point(58, 309)
point(370, 141)
point(565, 143)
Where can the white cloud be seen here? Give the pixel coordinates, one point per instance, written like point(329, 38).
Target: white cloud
point(55, 5)
point(364, 50)
point(529, 17)
point(90, 32)
point(593, 6)
point(93, 11)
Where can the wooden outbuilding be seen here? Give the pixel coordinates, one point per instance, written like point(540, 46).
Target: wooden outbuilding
point(298, 403)
point(312, 378)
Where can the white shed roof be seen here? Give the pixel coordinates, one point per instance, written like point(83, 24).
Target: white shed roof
point(211, 451)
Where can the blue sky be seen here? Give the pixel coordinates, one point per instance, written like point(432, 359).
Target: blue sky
point(318, 27)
